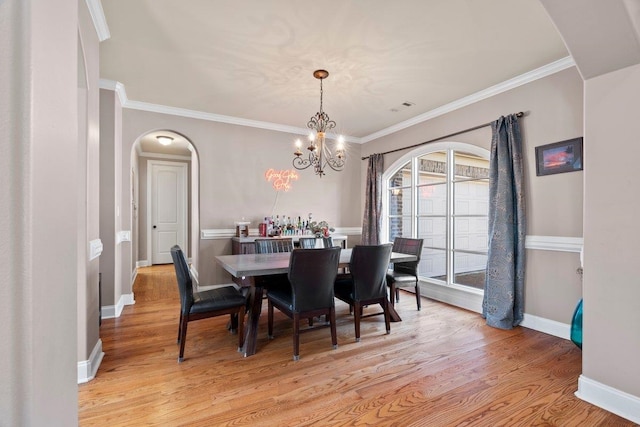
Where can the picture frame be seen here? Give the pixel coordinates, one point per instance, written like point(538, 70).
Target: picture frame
point(559, 157)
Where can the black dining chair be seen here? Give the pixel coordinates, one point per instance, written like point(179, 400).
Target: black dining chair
point(327, 242)
point(307, 242)
point(312, 273)
point(366, 282)
point(405, 273)
point(272, 246)
point(202, 305)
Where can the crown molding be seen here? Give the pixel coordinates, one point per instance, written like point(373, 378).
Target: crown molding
point(117, 87)
point(544, 71)
point(193, 114)
point(538, 73)
point(99, 20)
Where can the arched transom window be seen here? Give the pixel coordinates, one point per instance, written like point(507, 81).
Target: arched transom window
point(440, 193)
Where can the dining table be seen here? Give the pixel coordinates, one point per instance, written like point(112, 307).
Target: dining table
point(252, 265)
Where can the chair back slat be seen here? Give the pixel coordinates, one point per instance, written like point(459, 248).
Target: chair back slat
point(312, 273)
point(307, 242)
point(368, 267)
point(270, 246)
point(327, 242)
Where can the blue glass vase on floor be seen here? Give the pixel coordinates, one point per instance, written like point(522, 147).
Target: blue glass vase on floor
point(576, 325)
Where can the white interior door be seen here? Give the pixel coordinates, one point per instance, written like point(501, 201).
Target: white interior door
point(168, 209)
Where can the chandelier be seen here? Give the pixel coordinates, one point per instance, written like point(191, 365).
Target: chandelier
point(320, 155)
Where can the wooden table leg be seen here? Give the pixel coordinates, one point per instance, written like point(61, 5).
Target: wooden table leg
point(253, 317)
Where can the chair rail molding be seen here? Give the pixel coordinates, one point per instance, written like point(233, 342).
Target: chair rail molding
point(554, 243)
point(95, 249)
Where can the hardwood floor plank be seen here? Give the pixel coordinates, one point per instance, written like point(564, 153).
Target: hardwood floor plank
point(441, 366)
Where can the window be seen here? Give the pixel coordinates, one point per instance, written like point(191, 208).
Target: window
point(440, 193)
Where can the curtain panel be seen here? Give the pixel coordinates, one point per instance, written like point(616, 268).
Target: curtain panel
point(503, 304)
point(372, 220)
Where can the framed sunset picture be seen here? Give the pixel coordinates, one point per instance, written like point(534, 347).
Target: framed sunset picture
point(559, 157)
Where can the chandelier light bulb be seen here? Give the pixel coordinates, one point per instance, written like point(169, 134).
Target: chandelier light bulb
point(298, 153)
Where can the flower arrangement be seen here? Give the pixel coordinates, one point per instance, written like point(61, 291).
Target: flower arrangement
point(321, 228)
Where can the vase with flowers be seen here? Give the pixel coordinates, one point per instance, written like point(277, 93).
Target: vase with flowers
point(321, 229)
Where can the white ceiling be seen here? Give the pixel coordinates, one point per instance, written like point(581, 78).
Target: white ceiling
point(254, 59)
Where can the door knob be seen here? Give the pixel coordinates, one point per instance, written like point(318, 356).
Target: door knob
point(154, 226)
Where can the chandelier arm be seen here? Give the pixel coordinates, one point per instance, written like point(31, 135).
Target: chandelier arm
point(336, 164)
point(300, 163)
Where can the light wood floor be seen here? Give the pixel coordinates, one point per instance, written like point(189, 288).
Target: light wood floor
point(439, 367)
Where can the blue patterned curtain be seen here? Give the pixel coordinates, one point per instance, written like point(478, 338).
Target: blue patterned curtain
point(503, 304)
point(371, 222)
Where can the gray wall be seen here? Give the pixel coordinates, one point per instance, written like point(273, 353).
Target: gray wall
point(553, 108)
point(611, 285)
point(39, 182)
point(232, 161)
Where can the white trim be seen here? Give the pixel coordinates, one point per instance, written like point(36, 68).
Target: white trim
point(99, 20)
point(194, 273)
point(193, 114)
point(220, 233)
point(613, 400)
point(469, 299)
point(551, 327)
point(134, 275)
point(554, 243)
point(142, 263)
point(123, 236)
point(348, 230)
point(538, 73)
point(113, 311)
point(117, 87)
point(87, 369)
point(95, 249)
point(163, 156)
point(410, 156)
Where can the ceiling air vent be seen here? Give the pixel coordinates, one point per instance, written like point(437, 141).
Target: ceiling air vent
point(402, 106)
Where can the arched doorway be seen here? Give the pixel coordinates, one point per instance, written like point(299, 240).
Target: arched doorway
point(148, 156)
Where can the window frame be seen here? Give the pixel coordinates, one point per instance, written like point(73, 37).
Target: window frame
point(449, 147)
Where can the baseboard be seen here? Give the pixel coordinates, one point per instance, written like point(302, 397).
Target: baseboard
point(142, 263)
point(111, 311)
point(608, 398)
point(467, 299)
point(87, 369)
point(472, 300)
point(134, 274)
point(551, 327)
